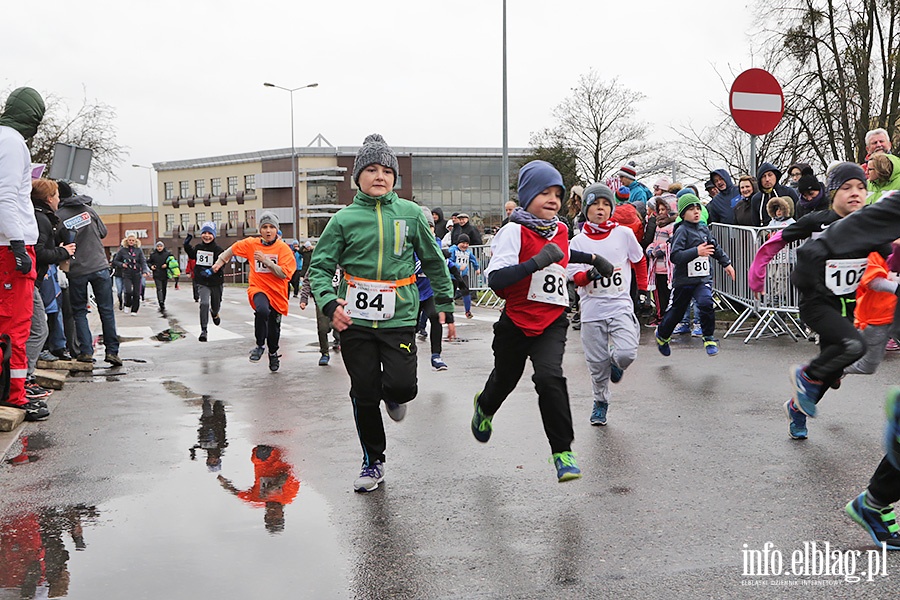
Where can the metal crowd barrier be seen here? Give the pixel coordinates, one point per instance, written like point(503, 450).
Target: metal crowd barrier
point(478, 282)
point(777, 310)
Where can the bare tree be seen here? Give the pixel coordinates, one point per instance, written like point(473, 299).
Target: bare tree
point(91, 125)
point(598, 120)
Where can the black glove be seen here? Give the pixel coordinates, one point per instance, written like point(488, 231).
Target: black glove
point(23, 261)
point(548, 255)
point(603, 266)
point(188, 238)
point(594, 274)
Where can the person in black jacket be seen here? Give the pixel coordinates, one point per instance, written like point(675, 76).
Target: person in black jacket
point(768, 176)
point(812, 195)
point(132, 263)
point(209, 282)
point(465, 227)
point(158, 261)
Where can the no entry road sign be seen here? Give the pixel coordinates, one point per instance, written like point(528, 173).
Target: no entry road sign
point(756, 101)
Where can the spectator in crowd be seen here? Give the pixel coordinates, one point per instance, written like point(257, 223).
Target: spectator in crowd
point(627, 214)
point(465, 227)
point(638, 192)
point(305, 254)
point(726, 190)
point(659, 266)
point(743, 212)
point(440, 223)
point(812, 194)
point(130, 261)
point(781, 212)
point(23, 112)
point(768, 176)
point(159, 265)
point(296, 277)
point(574, 218)
point(877, 140)
point(710, 188)
point(794, 173)
point(884, 176)
point(91, 267)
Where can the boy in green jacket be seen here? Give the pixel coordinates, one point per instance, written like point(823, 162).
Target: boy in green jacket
point(377, 303)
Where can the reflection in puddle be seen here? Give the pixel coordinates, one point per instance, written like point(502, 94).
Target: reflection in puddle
point(33, 555)
point(211, 434)
point(169, 335)
point(22, 450)
point(274, 485)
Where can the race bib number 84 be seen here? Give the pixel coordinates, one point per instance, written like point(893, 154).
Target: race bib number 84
point(370, 300)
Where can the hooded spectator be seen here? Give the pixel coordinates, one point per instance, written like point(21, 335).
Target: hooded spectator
point(781, 212)
point(812, 194)
point(768, 176)
point(440, 223)
point(724, 185)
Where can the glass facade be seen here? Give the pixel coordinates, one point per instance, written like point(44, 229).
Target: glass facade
point(460, 184)
point(321, 192)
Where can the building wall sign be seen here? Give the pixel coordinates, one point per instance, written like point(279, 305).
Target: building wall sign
point(138, 233)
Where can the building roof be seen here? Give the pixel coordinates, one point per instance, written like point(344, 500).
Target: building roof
point(247, 157)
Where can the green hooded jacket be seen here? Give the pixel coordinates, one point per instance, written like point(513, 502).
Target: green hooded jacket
point(877, 190)
point(374, 238)
point(24, 111)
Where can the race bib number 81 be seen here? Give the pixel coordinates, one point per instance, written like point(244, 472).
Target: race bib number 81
point(549, 286)
point(204, 258)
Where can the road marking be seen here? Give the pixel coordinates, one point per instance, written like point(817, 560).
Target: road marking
point(213, 333)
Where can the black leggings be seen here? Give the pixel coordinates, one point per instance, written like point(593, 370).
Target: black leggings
point(267, 322)
point(840, 343)
point(131, 278)
point(428, 311)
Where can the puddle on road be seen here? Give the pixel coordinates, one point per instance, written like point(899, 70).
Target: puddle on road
point(231, 519)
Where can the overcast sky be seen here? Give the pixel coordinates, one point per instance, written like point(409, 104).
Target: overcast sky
point(185, 76)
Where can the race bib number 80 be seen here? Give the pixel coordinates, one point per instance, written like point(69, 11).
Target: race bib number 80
point(549, 286)
point(699, 267)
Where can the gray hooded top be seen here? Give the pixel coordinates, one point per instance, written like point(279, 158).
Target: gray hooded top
point(77, 215)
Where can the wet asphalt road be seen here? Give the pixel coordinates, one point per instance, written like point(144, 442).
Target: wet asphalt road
point(103, 500)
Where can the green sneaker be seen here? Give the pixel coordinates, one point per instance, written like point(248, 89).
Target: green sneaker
point(481, 423)
point(566, 467)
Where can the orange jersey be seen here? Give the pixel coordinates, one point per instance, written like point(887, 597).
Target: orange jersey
point(261, 279)
point(874, 308)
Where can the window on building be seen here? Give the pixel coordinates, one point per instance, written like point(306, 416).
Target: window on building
point(170, 222)
point(201, 218)
point(217, 217)
point(200, 187)
point(232, 218)
point(321, 192)
point(185, 220)
point(185, 188)
point(215, 185)
point(249, 183)
point(250, 218)
point(170, 189)
point(232, 186)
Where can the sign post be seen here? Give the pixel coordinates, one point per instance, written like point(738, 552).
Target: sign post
point(756, 103)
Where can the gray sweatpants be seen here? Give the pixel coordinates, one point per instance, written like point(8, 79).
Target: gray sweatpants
point(609, 340)
point(876, 336)
point(39, 332)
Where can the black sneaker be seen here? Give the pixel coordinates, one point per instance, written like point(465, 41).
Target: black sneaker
point(85, 358)
point(202, 336)
point(33, 391)
point(35, 410)
point(216, 319)
point(113, 359)
point(61, 354)
point(257, 353)
point(274, 363)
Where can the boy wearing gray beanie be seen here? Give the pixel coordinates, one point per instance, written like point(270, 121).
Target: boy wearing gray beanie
point(376, 304)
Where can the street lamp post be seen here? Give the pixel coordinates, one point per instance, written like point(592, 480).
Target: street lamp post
point(294, 216)
point(152, 211)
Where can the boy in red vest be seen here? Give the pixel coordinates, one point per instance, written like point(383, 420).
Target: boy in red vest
point(528, 269)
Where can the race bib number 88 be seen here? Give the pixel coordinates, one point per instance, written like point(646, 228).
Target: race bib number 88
point(549, 286)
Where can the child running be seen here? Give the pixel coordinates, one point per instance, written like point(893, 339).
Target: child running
point(876, 301)
point(271, 266)
point(464, 258)
point(528, 263)
point(609, 327)
point(209, 283)
point(377, 304)
point(691, 246)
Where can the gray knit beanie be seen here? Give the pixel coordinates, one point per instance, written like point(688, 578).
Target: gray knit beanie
point(268, 217)
point(375, 151)
point(593, 193)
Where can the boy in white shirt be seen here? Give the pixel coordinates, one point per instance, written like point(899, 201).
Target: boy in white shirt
point(609, 328)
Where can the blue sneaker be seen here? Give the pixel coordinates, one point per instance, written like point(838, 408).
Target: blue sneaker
point(323, 360)
point(369, 477)
point(566, 467)
point(880, 523)
point(892, 432)
point(711, 345)
point(806, 391)
point(798, 429)
point(683, 327)
point(481, 423)
point(697, 330)
point(598, 415)
point(663, 345)
point(437, 363)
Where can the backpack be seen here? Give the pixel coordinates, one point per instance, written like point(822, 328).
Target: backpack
point(172, 268)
